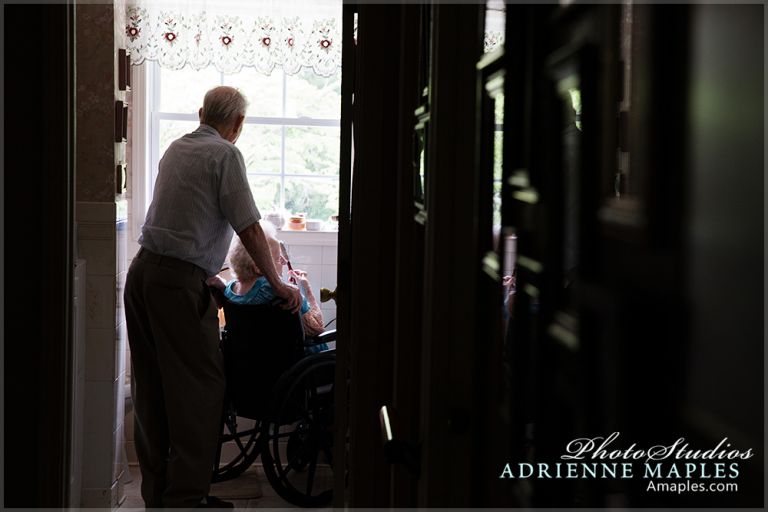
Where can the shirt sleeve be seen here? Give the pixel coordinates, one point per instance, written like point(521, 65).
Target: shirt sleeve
point(266, 294)
point(304, 304)
point(263, 292)
point(260, 293)
point(235, 197)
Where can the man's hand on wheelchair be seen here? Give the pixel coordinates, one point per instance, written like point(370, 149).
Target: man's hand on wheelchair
point(290, 295)
point(217, 285)
point(216, 282)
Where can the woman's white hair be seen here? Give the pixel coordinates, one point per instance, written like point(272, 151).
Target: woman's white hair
point(241, 262)
point(222, 105)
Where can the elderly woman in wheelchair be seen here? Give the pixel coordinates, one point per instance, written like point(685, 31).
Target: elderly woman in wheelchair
point(250, 285)
point(280, 384)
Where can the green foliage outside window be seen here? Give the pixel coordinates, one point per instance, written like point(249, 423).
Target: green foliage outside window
point(318, 199)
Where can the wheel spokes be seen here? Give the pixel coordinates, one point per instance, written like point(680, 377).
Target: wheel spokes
point(311, 473)
point(297, 469)
point(244, 445)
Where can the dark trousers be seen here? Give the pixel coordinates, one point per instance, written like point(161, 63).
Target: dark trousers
point(177, 378)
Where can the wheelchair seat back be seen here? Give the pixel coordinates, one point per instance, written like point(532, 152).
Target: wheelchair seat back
point(259, 343)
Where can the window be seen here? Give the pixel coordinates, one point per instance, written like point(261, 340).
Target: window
point(290, 140)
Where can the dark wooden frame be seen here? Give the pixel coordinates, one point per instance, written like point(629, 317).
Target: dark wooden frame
point(421, 169)
point(120, 178)
point(38, 349)
point(121, 121)
point(343, 301)
point(372, 237)
point(448, 405)
point(421, 114)
point(409, 261)
point(123, 70)
point(124, 123)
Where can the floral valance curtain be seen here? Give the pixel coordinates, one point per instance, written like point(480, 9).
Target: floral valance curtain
point(264, 34)
point(495, 21)
point(235, 33)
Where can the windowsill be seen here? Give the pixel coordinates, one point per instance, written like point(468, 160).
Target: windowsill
point(318, 238)
point(324, 238)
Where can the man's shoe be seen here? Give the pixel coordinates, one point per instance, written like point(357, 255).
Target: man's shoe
point(214, 502)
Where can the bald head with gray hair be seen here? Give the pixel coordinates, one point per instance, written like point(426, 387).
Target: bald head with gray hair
point(223, 107)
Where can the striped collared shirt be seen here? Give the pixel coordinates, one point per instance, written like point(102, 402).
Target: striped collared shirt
point(201, 195)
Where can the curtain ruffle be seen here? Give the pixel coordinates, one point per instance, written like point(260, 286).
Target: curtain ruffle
point(198, 38)
point(177, 36)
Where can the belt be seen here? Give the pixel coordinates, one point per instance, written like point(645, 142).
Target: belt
point(169, 262)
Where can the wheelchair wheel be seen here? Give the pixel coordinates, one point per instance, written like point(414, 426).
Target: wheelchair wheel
point(298, 449)
point(239, 446)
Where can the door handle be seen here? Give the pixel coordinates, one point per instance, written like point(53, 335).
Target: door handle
point(326, 294)
point(398, 451)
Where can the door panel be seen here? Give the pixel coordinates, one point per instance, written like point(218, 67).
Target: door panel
point(409, 258)
point(343, 300)
point(448, 394)
point(602, 335)
point(599, 132)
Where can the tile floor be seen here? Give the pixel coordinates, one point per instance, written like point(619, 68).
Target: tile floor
point(249, 491)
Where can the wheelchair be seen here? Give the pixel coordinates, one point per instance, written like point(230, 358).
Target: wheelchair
point(279, 402)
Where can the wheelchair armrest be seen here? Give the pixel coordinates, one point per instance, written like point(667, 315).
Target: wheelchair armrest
point(323, 337)
point(322, 343)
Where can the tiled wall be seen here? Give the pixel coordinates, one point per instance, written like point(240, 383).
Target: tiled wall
point(101, 242)
point(78, 388)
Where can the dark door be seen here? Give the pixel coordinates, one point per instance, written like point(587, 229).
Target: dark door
point(411, 335)
point(378, 255)
point(38, 180)
point(591, 141)
point(607, 204)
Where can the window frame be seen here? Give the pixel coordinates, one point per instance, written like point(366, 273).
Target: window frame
point(155, 116)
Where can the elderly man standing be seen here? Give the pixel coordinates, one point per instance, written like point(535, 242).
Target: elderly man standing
point(201, 196)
